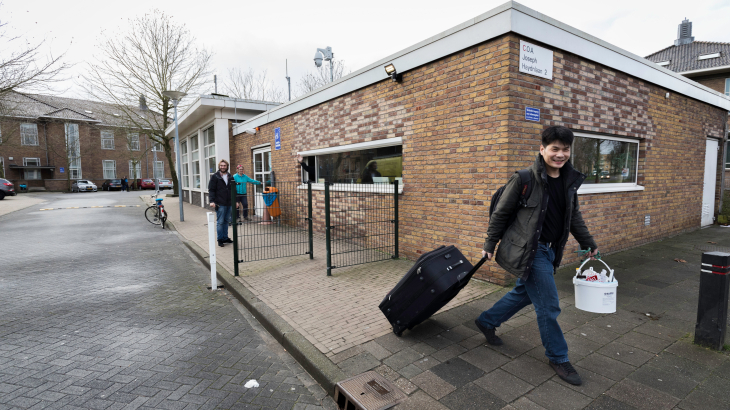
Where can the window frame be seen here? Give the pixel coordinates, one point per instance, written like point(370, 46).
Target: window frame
point(133, 138)
point(23, 135)
point(73, 157)
point(206, 135)
point(108, 137)
point(35, 172)
point(158, 165)
point(587, 189)
point(185, 168)
point(193, 161)
point(135, 173)
point(727, 87)
point(104, 168)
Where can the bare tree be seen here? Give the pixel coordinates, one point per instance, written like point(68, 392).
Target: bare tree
point(321, 77)
point(251, 86)
point(152, 55)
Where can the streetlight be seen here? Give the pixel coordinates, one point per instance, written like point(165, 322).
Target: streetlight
point(176, 96)
point(327, 55)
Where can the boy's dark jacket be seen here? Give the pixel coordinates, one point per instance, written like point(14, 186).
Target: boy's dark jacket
point(218, 191)
point(519, 241)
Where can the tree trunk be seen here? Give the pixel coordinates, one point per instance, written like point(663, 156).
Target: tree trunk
point(171, 162)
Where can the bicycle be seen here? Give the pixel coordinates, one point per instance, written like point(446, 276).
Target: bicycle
point(156, 213)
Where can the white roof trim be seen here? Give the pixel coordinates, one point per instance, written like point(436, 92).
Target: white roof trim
point(706, 70)
point(508, 17)
point(211, 103)
point(388, 142)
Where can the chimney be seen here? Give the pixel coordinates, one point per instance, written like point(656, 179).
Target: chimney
point(142, 103)
point(684, 33)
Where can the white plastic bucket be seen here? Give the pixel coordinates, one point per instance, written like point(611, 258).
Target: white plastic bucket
point(596, 297)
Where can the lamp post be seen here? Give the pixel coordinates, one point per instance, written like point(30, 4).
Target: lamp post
point(176, 96)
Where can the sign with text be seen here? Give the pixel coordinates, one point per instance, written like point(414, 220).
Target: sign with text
point(536, 60)
point(277, 138)
point(532, 114)
point(61, 169)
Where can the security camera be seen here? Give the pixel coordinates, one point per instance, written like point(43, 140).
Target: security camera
point(318, 59)
point(250, 131)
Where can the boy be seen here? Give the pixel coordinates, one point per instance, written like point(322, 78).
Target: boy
point(531, 248)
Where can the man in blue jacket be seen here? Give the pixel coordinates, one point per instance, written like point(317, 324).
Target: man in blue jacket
point(219, 195)
point(241, 194)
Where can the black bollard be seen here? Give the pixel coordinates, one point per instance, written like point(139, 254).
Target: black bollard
point(712, 306)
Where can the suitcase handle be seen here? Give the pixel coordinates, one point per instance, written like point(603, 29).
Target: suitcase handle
point(471, 272)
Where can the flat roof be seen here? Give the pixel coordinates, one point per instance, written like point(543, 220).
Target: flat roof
point(508, 17)
point(206, 103)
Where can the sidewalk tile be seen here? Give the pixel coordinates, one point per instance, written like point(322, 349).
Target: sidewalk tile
point(702, 355)
point(421, 401)
point(594, 333)
point(607, 367)
point(410, 371)
point(504, 385)
point(472, 397)
point(593, 385)
point(459, 333)
point(645, 342)
point(402, 358)
point(449, 352)
point(656, 330)
point(552, 395)
point(614, 324)
point(423, 348)
point(378, 351)
point(394, 343)
point(472, 342)
point(698, 400)
point(685, 367)
point(529, 369)
point(359, 364)
point(387, 372)
point(457, 372)
point(605, 402)
point(524, 403)
point(438, 342)
point(484, 358)
point(670, 381)
point(406, 385)
point(433, 385)
point(625, 353)
point(641, 396)
point(427, 363)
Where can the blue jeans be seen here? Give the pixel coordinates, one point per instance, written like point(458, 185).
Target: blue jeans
point(224, 218)
point(539, 289)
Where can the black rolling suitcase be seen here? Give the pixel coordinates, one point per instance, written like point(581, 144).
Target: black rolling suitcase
point(435, 279)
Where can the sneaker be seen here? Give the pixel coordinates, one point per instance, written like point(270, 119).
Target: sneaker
point(227, 240)
point(567, 372)
point(492, 338)
point(220, 243)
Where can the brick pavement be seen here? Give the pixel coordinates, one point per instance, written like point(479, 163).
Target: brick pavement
point(641, 357)
point(103, 310)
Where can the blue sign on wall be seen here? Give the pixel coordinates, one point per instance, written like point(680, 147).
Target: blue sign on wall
point(277, 138)
point(61, 169)
point(532, 114)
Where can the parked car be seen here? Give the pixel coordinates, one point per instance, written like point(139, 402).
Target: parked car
point(6, 188)
point(110, 184)
point(146, 183)
point(165, 184)
point(83, 185)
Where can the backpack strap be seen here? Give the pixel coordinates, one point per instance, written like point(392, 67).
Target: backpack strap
point(526, 182)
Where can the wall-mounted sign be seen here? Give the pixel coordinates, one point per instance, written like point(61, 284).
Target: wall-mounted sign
point(536, 60)
point(532, 114)
point(60, 170)
point(277, 138)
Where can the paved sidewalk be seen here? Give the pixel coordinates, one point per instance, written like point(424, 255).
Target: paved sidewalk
point(640, 357)
point(20, 201)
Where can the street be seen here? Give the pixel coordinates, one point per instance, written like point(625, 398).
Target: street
point(102, 309)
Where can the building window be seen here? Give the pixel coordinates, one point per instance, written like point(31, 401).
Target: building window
point(28, 134)
point(381, 165)
point(185, 167)
point(135, 170)
point(609, 163)
point(2, 167)
point(107, 139)
point(209, 151)
point(32, 173)
point(158, 169)
point(133, 141)
point(727, 87)
point(156, 146)
point(664, 63)
point(727, 155)
point(110, 169)
point(708, 56)
point(195, 161)
point(73, 149)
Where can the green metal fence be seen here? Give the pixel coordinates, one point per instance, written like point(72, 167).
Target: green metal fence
point(361, 223)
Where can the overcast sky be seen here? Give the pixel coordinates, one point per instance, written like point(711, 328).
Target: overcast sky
point(263, 34)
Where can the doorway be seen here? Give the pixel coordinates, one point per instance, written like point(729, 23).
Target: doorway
point(708, 190)
point(261, 172)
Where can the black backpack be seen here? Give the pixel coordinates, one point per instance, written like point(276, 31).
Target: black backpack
point(526, 182)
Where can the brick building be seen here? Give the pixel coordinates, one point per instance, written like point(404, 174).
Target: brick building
point(464, 109)
point(48, 141)
point(706, 62)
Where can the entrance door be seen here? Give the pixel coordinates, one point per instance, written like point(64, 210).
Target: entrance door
point(708, 192)
point(261, 171)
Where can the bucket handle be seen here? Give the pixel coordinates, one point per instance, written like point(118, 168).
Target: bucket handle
point(580, 268)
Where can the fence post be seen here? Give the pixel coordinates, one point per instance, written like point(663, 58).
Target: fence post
point(395, 216)
point(309, 217)
point(327, 227)
point(234, 222)
point(211, 249)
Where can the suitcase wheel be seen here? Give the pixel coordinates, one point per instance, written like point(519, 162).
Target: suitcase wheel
point(397, 330)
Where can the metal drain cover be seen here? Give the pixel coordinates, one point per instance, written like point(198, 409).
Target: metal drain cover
point(367, 391)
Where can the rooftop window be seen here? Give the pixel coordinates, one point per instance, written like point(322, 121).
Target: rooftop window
point(708, 56)
point(664, 63)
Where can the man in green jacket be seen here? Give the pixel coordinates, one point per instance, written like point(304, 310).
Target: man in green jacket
point(241, 197)
point(531, 247)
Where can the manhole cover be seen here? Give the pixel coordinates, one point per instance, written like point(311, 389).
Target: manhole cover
point(367, 391)
point(712, 248)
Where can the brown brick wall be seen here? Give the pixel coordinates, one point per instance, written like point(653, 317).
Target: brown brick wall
point(91, 153)
point(462, 123)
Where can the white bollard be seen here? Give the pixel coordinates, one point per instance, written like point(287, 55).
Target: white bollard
point(211, 246)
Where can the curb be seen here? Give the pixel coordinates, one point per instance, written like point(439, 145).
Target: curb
point(309, 357)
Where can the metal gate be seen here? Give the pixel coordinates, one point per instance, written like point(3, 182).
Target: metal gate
point(361, 223)
point(275, 222)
